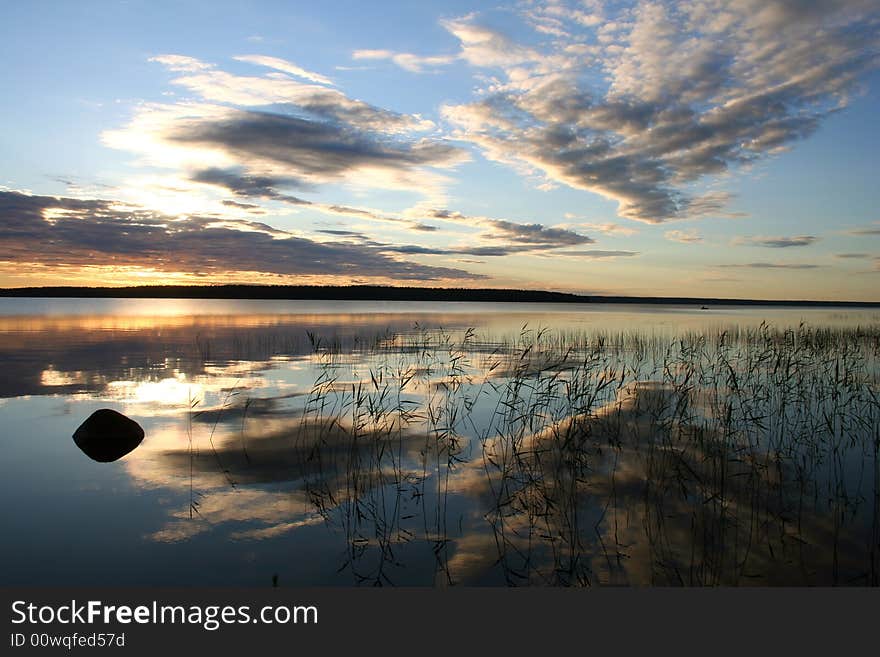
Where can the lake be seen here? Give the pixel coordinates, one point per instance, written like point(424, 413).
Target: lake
point(441, 444)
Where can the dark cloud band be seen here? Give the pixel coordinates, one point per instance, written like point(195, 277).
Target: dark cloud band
point(64, 231)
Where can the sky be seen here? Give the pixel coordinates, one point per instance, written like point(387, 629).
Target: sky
point(717, 148)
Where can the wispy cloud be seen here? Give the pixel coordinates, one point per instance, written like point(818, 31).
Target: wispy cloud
point(715, 278)
point(213, 84)
point(595, 254)
point(287, 67)
point(266, 187)
point(181, 63)
point(873, 229)
point(776, 242)
point(351, 234)
point(683, 236)
point(243, 206)
point(485, 47)
point(407, 61)
point(606, 228)
point(533, 235)
point(772, 265)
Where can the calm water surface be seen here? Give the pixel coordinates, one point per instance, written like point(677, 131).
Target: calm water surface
point(353, 443)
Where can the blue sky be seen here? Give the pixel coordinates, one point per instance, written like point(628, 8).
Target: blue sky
point(705, 148)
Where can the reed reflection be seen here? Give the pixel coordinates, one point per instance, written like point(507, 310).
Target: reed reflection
point(745, 457)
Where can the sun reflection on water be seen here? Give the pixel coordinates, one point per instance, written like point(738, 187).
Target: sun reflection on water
point(554, 458)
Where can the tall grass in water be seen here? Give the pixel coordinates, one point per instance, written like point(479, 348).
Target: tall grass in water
point(737, 456)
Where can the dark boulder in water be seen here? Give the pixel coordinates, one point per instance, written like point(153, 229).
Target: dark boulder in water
point(107, 435)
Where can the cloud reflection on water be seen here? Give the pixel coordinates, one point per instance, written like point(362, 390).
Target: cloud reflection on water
point(438, 452)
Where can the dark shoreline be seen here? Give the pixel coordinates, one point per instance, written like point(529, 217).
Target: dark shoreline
point(383, 293)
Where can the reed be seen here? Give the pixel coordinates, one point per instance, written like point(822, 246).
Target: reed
point(549, 457)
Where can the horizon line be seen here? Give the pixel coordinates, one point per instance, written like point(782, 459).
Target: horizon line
point(388, 293)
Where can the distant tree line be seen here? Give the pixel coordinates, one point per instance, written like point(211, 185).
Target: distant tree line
point(384, 293)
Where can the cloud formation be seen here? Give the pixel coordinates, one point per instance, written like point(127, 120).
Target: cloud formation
point(243, 184)
point(528, 236)
point(641, 103)
point(606, 228)
point(407, 61)
point(772, 265)
point(519, 237)
point(286, 67)
point(596, 254)
point(776, 242)
point(309, 151)
point(49, 231)
point(291, 126)
point(683, 236)
point(240, 183)
point(645, 103)
point(868, 230)
point(500, 237)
